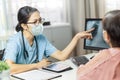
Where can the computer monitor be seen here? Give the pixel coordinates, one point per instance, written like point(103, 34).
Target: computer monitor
point(97, 42)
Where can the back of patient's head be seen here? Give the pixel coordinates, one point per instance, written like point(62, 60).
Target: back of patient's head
point(23, 16)
point(111, 24)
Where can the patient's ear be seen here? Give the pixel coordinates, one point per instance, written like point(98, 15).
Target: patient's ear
point(106, 37)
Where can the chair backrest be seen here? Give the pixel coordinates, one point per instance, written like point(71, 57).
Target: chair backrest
point(1, 53)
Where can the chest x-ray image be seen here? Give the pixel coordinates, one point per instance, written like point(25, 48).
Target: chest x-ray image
point(97, 42)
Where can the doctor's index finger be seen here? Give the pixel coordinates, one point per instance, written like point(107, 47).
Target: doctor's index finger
point(90, 30)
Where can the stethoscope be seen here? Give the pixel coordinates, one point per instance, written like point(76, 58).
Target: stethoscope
point(26, 52)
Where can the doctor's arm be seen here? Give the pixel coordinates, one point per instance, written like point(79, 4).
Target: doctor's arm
point(63, 55)
point(18, 68)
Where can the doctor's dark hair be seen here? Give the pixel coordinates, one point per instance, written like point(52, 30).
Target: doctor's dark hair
point(23, 16)
point(111, 24)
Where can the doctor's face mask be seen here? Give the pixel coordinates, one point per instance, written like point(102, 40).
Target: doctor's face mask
point(37, 29)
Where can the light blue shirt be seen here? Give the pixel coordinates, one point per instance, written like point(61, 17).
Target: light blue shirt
point(14, 50)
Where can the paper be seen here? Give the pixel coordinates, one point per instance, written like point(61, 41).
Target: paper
point(37, 75)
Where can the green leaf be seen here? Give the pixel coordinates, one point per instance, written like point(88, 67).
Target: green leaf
point(3, 66)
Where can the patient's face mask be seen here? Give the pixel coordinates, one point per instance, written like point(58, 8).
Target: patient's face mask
point(37, 29)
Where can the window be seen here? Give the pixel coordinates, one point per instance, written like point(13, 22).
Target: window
point(112, 5)
point(51, 10)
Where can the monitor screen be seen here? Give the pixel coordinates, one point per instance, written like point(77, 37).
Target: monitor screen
point(97, 42)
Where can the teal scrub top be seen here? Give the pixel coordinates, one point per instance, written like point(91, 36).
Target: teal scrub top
point(14, 50)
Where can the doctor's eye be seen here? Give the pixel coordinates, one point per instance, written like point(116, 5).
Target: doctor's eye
point(40, 20)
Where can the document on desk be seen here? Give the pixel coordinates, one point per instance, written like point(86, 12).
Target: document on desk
point(36, 75)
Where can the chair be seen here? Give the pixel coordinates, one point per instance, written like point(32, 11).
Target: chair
point(1, 53)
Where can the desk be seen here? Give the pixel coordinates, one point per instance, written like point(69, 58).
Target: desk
point(71, 74)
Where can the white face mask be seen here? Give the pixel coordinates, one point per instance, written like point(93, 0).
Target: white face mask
point(36, 30)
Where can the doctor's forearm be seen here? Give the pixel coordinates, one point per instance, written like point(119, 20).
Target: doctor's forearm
point(18, 68)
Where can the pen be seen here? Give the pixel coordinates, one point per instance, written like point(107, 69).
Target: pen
point(49, 61)
point(54, 77)
point(17, 77)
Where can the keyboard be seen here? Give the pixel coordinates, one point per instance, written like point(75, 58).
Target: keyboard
point(80, 60)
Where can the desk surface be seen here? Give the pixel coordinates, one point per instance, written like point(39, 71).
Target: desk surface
point(71, 74)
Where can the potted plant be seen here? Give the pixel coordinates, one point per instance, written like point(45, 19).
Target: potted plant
point(4, 71)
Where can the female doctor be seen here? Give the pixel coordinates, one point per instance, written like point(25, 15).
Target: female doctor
point(25, 49)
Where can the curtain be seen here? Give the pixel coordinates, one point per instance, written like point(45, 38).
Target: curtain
point(5, 28)
point(94, 8)
point(81, 9)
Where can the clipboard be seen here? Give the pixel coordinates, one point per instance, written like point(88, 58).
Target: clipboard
point(57, 67)
point(36, 75)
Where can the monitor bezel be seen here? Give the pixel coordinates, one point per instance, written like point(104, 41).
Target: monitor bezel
point(91, 47)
